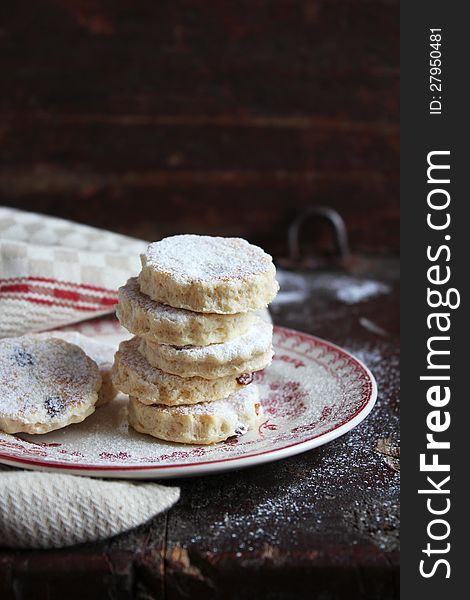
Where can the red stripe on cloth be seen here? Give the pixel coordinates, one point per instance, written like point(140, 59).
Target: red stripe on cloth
point(108, 301)
point(58, 293)
point(14, 288)
point(66, 294)
point(64, 300)
point(25, 298)
point(36, 282)
point(69, 283)
point(30, 280)
point(77, 297)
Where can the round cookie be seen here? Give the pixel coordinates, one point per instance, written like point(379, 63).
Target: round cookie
point(101, 353)
point(208, 274)
point(133, 375)
point(206, 423)
point(164, 324)
point(45, 384)
point(249, 352)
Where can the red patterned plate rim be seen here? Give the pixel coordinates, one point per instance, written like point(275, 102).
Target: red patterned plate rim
point(220, 464)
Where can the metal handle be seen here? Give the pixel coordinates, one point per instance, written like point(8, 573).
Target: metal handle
point(332, 217)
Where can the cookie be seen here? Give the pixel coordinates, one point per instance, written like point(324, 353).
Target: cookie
point(133, 375)
point(45, 384)
point(206, 423)
point(164, 324)
point(208, 274)
point(101, 353)
point(249, 352)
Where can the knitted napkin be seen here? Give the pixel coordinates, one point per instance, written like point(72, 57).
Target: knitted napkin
point(55, 273)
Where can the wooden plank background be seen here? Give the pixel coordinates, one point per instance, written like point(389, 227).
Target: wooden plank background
point(152, 118)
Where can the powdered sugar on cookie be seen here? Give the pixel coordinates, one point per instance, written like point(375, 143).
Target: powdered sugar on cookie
point(133, 375)
point(100, 352)
point(234, 404)
point(167, 325)
point(201, 258)
point(257, 339)
point(161, 312)
point(205, 423)
point(45, 384)
point(208, 274)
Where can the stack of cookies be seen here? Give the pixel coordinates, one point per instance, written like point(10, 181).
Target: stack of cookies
point(198, 341)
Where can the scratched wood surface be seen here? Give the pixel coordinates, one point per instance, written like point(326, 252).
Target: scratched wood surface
point(148, 116)
point(321, 525)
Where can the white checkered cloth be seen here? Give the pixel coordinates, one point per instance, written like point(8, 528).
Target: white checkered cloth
point(54, 272)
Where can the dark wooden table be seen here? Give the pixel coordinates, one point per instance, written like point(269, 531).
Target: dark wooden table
point(323, 524)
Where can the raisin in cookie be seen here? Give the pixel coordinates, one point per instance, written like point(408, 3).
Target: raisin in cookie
point(206, 423)
point(100, 352)
point(249, 352)
point(45, 384)
point(133, 375)
point(208, 274)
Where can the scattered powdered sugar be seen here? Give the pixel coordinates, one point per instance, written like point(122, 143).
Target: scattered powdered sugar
point(345, 488)
point(295, 287)
point(256, 340)
point(41, 379)
point(205, 258)
point(354, 292)
point(348, 483)
point(384, 365)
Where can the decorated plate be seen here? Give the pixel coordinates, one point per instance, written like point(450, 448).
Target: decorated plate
point(312, 393)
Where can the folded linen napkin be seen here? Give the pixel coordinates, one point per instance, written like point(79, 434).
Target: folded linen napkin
point(54, 272)
point(51, 510)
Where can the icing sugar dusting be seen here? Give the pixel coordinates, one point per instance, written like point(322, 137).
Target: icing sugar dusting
point(133, 360)
point(235, 403)
point(40, 379)
point(205, 258)
point(295, 287)
point(357, 292)
point(160, 312)
point(257, 339)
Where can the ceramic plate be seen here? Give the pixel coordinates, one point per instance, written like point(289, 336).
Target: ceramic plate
point(312, 393)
